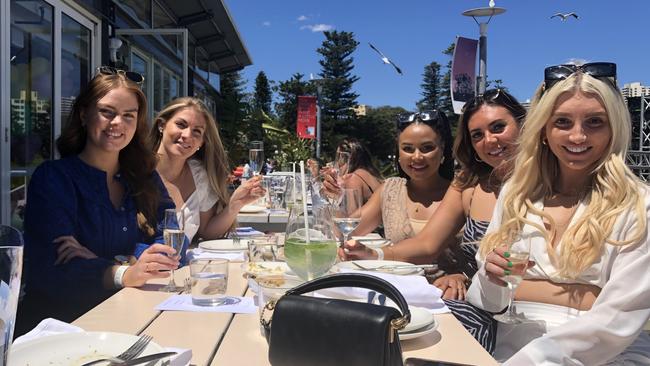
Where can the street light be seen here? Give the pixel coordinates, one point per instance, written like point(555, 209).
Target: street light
point(482, 45)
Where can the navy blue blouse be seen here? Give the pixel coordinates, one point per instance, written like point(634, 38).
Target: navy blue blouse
point(70, 197)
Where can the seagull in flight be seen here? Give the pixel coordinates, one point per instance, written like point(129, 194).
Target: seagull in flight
point(565, 16)
point(385, 59)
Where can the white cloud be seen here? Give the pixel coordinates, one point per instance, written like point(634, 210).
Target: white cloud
point(302, 18)
point(318, 27)
point(266, 23)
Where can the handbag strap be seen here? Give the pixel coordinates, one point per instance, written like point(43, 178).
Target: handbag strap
point(355, 280)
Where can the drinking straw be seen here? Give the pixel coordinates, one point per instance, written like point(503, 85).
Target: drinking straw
point(304, 199)
point(293, 192)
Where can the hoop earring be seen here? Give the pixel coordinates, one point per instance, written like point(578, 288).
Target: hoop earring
point(477, 158)
point(442, 161)
point(544, 141)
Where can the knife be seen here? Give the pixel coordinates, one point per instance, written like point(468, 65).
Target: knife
point(144, 359)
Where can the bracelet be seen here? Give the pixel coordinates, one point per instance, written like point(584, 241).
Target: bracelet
point(380, 253)
point(119, 276)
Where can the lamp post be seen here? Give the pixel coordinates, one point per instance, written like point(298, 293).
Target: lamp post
point(482, 45)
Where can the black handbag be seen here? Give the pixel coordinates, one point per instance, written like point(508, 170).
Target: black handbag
point(313, 331)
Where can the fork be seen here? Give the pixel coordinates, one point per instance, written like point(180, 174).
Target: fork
point(392, 267)
point(130, 353)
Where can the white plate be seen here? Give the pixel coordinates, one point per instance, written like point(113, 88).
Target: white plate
point(419, 332)
point(377, 263)
point(252, 209)
point(266, 268)
point(420, 318)
point(223, 245)
point(372, 241)
point(74, 349)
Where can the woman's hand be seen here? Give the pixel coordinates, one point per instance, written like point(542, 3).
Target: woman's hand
point(156, 258)
point(353, 250)
point(331, 187)
point(313, 167)
point(497, 266)
point(452, 286)
point(70, 248)
point(247, 192)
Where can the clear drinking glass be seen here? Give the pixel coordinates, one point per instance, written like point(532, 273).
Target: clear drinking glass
point(519, 254)
point(11, 264)
point(210, 282)
point(256, 156)
point(263, 248)
point(174, 234)
point(311, 252)
point(347, 215)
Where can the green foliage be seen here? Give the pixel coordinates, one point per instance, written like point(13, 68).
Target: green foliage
point(337, 98)
point(382, 142)
point(288, 92)
point(233, 116)
point(262, 96)
point(445, 89)
point(287, 147)
point(431, 87)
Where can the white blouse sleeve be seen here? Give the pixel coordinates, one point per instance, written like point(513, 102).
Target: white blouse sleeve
point(616, 318)
point(207, 196)
point(483, 293)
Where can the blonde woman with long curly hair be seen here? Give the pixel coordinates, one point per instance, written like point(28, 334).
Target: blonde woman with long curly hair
point(585, 214)
point(193, 164)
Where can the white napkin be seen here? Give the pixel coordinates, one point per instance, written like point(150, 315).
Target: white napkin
point(233, 256)
point(184, 303)
point(51, 326)
point(415, 289)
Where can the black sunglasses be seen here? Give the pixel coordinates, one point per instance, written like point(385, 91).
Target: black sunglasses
point(406, 118)
point(131, 75)
point(553, 74)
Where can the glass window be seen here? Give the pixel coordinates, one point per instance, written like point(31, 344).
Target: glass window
point(166, 82)
point(173, 87)
point(75, 62)
point(157, 88)
point(139, 65)
point(160, 17)
point(138, 9)
point(31, 95)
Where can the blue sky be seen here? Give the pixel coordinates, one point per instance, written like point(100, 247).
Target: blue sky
point(282, 37)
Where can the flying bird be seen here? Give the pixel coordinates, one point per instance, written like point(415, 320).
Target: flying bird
point(385, 59)
point(565, 16)
point(491, 3)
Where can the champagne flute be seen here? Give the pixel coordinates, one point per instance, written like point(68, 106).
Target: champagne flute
point(519, 254)
point(174, 235)
point(347, 214)
point(256, 156)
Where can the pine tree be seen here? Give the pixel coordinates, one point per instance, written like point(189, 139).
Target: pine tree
point(431, 87)
point(263, 95)
point(231, 114)
point(337, 99)
point(445, 89)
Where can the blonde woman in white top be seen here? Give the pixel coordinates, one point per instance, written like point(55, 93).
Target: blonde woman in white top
point(193, 165)
point(586, 292)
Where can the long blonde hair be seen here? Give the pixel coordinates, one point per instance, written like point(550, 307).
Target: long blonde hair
point(614, 189)
point(212, 155)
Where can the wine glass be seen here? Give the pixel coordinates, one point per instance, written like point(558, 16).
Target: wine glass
point(519, 254)
point(310, 252)
point(256, 156)
point(347, 215)
point(341, 164)
point(174, 235)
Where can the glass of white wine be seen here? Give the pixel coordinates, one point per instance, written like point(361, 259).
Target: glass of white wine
point(519, 254)
point(347, 215)
point(174, 235)
point(256, 157)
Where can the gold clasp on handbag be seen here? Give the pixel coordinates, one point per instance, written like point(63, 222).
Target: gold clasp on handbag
point(269, 306)
point(397, 324)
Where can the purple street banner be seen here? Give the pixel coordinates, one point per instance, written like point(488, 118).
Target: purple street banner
point(306, 123)
point(463, 72)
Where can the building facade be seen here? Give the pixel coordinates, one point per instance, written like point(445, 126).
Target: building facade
point(50, 49)
point(635, 89)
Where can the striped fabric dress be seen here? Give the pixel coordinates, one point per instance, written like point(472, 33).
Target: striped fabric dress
point(479, 323)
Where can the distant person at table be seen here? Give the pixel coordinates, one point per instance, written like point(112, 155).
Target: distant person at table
point(194, 167)
point(404, 204)
point(97, 202)
point(484, 146)
point(585, 297)
point(362, 174)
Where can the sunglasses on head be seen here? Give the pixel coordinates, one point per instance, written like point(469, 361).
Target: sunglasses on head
point(131, 75)
point(553, 74)
point(426, 116)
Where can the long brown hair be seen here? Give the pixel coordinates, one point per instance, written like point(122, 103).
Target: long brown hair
point(137, 161)
point(212, 155)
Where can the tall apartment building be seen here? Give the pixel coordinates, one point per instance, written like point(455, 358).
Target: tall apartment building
point(635, 89)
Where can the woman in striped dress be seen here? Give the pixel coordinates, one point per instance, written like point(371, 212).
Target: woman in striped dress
point(487, 131)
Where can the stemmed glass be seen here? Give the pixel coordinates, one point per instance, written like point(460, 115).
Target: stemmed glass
point(519, 254)
point(11, 264)
point(340, 168)
point(347, 214)
point(256, 156)
point(174, 235)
